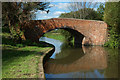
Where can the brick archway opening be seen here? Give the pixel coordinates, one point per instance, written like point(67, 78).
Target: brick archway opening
point(78, 37)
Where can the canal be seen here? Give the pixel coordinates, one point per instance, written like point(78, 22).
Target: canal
point(69, 61)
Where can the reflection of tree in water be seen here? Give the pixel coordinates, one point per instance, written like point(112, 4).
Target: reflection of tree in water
point(63, 54)
point(112, 70)
point(68, 54)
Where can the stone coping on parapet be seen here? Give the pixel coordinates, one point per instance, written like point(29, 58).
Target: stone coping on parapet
point(71, 18)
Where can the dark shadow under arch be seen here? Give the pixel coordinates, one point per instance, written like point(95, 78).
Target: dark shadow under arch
point(78, 37)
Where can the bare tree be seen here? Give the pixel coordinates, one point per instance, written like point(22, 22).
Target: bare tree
point(81, 8)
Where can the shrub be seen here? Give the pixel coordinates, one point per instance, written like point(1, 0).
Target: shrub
point(114, 39)
point(19, 45)
point(112, 18)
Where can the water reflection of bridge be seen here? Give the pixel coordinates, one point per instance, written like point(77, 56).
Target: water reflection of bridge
point(94, 58)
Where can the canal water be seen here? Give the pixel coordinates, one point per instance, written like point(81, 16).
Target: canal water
point(68, 61)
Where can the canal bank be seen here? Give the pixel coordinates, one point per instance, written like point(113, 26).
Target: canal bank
point(41, 61)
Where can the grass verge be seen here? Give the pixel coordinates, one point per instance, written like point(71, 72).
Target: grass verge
point(57, 36)
point(20, 60)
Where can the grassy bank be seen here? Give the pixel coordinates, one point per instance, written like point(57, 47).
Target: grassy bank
point(60, 34)
point(20, 60)
point(57, 36)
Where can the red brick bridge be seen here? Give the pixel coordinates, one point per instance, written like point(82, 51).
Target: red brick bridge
point(89, 32)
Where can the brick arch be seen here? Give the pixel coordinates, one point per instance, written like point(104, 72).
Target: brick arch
point(95, 32)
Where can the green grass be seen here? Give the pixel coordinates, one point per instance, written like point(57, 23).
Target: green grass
point(57, 36)
point(20, 60)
